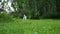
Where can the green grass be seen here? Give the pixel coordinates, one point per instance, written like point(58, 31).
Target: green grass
point(19, 26)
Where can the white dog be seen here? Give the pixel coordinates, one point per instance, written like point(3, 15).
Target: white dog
point(24, 17)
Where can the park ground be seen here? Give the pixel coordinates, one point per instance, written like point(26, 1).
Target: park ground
point(19, 26)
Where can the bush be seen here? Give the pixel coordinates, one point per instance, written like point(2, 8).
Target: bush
point(5, 17)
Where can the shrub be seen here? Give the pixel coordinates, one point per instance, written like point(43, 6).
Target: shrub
point(5, 17)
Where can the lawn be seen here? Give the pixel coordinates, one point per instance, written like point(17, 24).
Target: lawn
point(19, 26)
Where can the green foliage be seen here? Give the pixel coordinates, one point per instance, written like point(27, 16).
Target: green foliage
point(5, 17)
point(35, 9)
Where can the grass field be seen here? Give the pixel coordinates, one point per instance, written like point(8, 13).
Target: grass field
point(19, 26)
